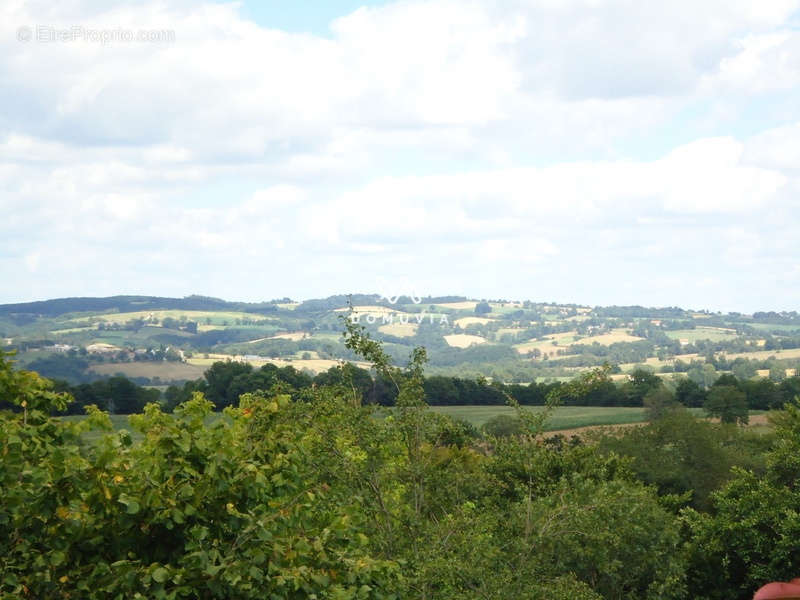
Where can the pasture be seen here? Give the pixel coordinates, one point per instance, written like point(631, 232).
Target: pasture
point(563, 417)
point(166, 371)
point(714, 334)
point(575, 417)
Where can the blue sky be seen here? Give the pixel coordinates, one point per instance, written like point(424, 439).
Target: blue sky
point(591, 152)
point(309, 16)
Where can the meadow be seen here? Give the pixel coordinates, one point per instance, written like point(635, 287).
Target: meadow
point(166, 371)
point(714, 334)
point(563, 417)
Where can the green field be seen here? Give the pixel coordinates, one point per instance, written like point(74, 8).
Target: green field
point(563, 417)
point(167, 371)
point(774, 327)
point(701, 333)
point(566, 417)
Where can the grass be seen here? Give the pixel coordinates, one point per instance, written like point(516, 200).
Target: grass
point(564, 417)
point(701, 333)
point(774, 327)
point(399, 329)
point(167, 371)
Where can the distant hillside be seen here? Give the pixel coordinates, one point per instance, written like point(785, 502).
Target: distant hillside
point(155, 339)
point(61, 306)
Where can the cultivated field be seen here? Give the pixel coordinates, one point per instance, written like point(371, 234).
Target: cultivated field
point(167, 371)
point(563, 340)
point(315, 365)
point(546, 345)
point(467, 305)
point(399, 329)
point(463, 340)
point(294, 336)
point(464, 321)
point(613, 337)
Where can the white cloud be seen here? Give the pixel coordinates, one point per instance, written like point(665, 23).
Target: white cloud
point(418, 136)
point(777, 148)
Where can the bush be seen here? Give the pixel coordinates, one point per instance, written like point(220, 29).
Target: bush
point(502, 426)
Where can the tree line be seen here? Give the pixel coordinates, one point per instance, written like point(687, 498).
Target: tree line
point(225, 381)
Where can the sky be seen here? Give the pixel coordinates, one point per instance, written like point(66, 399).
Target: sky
point(586, 151)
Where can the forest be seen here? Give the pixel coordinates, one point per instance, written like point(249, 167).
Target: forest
point(299, 489)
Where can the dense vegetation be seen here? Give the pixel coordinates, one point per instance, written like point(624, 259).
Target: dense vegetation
point(302, 492)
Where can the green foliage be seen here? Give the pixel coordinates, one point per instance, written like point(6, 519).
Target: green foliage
point(689, 393)
point(226, 511)
point(483, 308)
point(750, 538)
point(613, 535)
point(682, 455)
point(728, 403)
point(27, 389)
point(659, 402)
point(502, 426)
